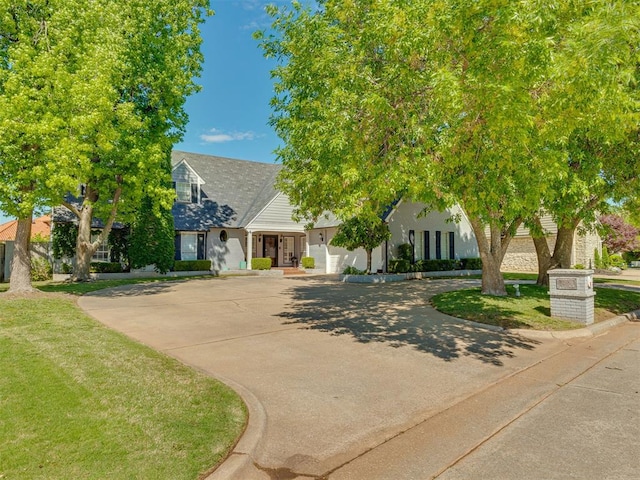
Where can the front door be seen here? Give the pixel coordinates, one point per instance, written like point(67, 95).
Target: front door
point(271, 248)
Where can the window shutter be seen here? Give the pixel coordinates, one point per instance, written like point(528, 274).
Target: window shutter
point(452, 248)
point(178, 247)
point(201, 242)
point(438, 245)
point(427, 245)
point(412, 241)
point(194, 193)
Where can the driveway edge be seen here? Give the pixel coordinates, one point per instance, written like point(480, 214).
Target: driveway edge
point(239, 462)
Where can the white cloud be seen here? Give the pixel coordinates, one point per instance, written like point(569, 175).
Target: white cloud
point(217, 136)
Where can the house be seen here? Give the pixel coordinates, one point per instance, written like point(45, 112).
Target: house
point(431, 236)
point(229, 211)
point(40, 229)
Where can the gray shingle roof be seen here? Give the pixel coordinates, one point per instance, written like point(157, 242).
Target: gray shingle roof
point(235, 190)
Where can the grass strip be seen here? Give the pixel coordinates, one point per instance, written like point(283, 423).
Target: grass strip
point(78, 400)
point(531, 310)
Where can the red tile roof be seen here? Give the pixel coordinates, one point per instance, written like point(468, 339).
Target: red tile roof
point(41, 225)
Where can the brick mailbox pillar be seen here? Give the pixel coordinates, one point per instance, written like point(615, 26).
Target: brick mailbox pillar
point(572, 294)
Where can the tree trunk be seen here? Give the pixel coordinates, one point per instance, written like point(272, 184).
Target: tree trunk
point(368, 261)
point(542, 252)
point(20, 280)
point(564, 247)
point(562, 250)
point(492, 252)
point(84, 247)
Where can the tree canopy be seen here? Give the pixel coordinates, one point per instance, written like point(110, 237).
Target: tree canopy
point(362, 232)
point(446, 102)
point(91, 100)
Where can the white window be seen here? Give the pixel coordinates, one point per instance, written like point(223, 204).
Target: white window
point(189, 246)
point(418, 248)
point(102, 253)
point(183, 192)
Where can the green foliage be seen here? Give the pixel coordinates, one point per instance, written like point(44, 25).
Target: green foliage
point(264, 263)
point(579, 266)
point(606, 260)
point(152, 237)
point(66, 268)
point(308, 262)
point(106, 267)
point(41, 269)
point(433, 265)
point(617, 261)
point(361, 232)
point(63, 239)
point(631, 256)
point(597, 259)
point(349, 270)
point(405, 252)
point(191, 265)
point(471, 263)
point(118, 242)
point(398, 265)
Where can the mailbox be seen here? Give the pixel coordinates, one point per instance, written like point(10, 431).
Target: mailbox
point(572, 294)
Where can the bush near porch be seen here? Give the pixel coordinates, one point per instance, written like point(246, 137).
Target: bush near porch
point(261, 263)
point(191, 265)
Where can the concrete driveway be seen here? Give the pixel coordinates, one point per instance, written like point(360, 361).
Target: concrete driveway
point(330, 370)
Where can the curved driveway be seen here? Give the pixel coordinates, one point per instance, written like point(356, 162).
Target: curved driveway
point(339, 368)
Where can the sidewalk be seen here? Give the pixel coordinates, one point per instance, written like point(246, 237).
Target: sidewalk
point(574, 415)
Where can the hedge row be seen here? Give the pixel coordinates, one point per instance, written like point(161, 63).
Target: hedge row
point(443, 265)
point(105, 267)
point(191, 265)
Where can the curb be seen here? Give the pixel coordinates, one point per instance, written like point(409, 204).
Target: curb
point(239, 461)
point(590, 331)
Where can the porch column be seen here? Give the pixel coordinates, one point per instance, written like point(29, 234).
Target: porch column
point(249, 248)
point(306, 244)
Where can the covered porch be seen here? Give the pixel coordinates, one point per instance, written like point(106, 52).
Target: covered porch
point(284, 248)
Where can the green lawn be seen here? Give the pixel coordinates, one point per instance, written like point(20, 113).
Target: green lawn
point(531, 310)
point(80, 401)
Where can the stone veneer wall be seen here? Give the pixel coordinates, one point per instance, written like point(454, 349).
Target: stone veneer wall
point(583, 248)
point(521, 255)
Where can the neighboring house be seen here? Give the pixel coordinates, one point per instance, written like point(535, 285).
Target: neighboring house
point(40, 229)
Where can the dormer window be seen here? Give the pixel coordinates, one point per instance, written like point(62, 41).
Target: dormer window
point(183, 192)
point(187, 183)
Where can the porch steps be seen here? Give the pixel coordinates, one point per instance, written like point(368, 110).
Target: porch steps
point(290, 270)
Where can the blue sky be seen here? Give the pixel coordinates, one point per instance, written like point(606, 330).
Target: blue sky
point(229, 116)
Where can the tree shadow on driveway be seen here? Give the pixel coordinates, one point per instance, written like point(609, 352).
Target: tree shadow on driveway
point(398, 315)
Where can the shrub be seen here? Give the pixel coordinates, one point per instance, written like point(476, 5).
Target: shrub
point(578, 266)
point(66, 268)
point(106, 267)
point(352, 271)
point(596, 258)
point(434, 265)
point(471, 263)
point(405, 252)
point(617, 261)
point(606, 261)
point(399, 265)
point(191, 265)
point(261, 263)
point(41, 270)
point(308, 262)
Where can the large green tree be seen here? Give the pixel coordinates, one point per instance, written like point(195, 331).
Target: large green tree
point(37, 66)
point(91, 98)
point(431, 100)
point(591, 111)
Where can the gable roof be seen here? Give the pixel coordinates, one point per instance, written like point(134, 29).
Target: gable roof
point(40, 225)
point(234, 191)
